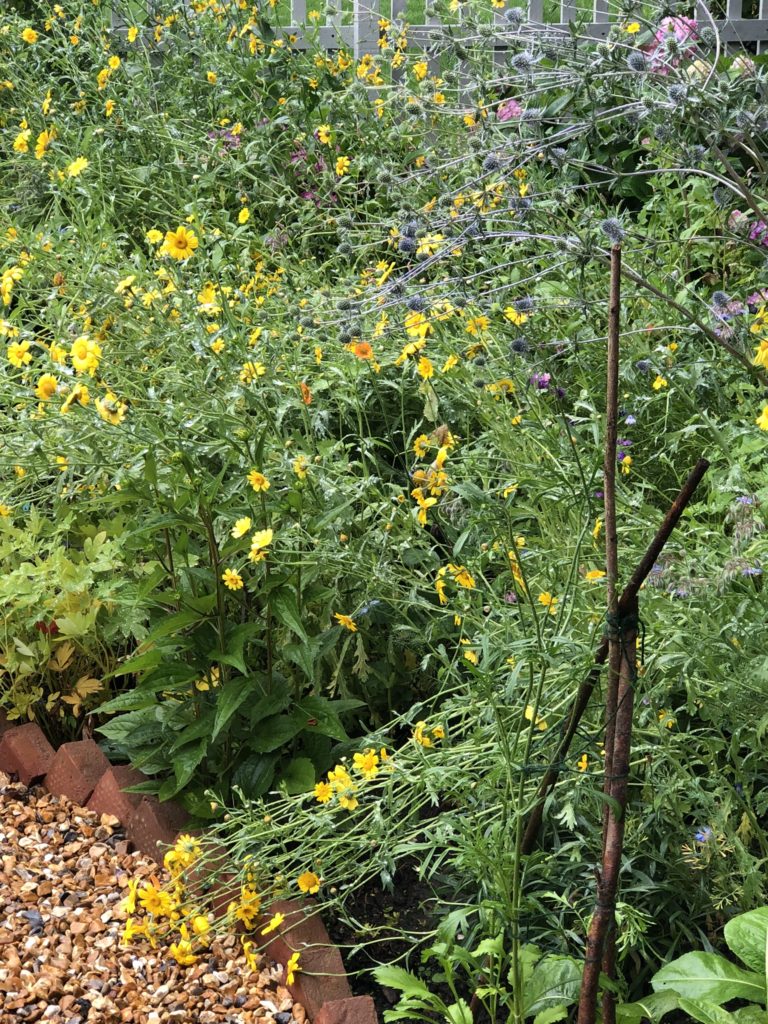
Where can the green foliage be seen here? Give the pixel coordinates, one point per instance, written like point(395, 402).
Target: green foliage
point(394, 372)
point(544, 988)
point(700, 984)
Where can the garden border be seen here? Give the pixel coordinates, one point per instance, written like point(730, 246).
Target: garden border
point(80, 771)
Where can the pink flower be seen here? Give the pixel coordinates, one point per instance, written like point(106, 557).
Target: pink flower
point(508, 109)
point(684, 31)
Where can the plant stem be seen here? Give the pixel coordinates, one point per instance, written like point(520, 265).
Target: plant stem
point(590, 681)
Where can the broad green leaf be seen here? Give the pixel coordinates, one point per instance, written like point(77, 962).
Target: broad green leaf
point(298, 776)
point(149, 659)
point(322, 715)
point(194, 731)
point(747, 936)
point(490, 947)
point(751, 1015)
point(550, 1015)
point(228, 699)
point(705, 1012)
point(554, 981)
point(233, 648)
point(304, 655)
point(707, 976)
point(274, 731)
point(652, 1007)
point(254, 775)
point(186, 760)
point(172, 624)
point(285, 608)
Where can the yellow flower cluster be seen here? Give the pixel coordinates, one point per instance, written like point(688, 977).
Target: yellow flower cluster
point(342, 787)
point(460, 576)
point(426, 737)
point(169, 914)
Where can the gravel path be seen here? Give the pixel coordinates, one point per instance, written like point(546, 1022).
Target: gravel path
point(63, 875)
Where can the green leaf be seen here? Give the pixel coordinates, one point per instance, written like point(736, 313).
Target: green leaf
point(551, 1014)
point(707, 976)
point(228, 699)
point(652, 1007)
point(135, 728)
point(751, 1015)
point(254, 775)
point(322, 715)
point(747, 937)
point(490, 947)
point(185, 762)
point(554, 981)
point(233, 647)
point(149, 659)
point(298, 776)
point(403, 981)
point(194, 731)
point(706, 1013)
point(172, 624)
point(304, 655)
point(285, 608)
point(459, 1013)
point(274, 732)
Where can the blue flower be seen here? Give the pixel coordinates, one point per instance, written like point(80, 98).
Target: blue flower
point(704, 834)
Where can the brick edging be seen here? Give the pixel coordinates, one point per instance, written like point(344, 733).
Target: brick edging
point(80, 772)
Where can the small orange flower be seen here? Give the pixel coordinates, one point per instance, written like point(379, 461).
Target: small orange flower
point(306, 394)
point(362, 349)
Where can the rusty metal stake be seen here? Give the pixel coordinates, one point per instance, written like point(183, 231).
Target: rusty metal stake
point(628, 596)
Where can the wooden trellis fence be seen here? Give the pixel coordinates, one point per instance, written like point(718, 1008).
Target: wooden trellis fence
point(358, 29)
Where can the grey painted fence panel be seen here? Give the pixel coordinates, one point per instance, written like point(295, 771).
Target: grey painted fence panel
point(362, 35)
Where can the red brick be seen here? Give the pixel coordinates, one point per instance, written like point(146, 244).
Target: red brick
point(357, 1010)
point(212, 882)
point(76, 770)
point(154, 823)
point(321, 977)
point(109, 797)
point(26, 752)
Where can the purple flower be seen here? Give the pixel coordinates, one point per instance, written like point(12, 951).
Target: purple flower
point(752, 570)
point(744, 499)
point(621, 456)
point(704, 834)
point(625, 443)
point(508, 109)
point(510, 597)
point(630, 421)
point(541, 380)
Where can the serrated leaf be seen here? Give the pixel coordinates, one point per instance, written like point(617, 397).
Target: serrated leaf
point(62, 656)
point(402, 980)
point(228, 699)
point(285, 608)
